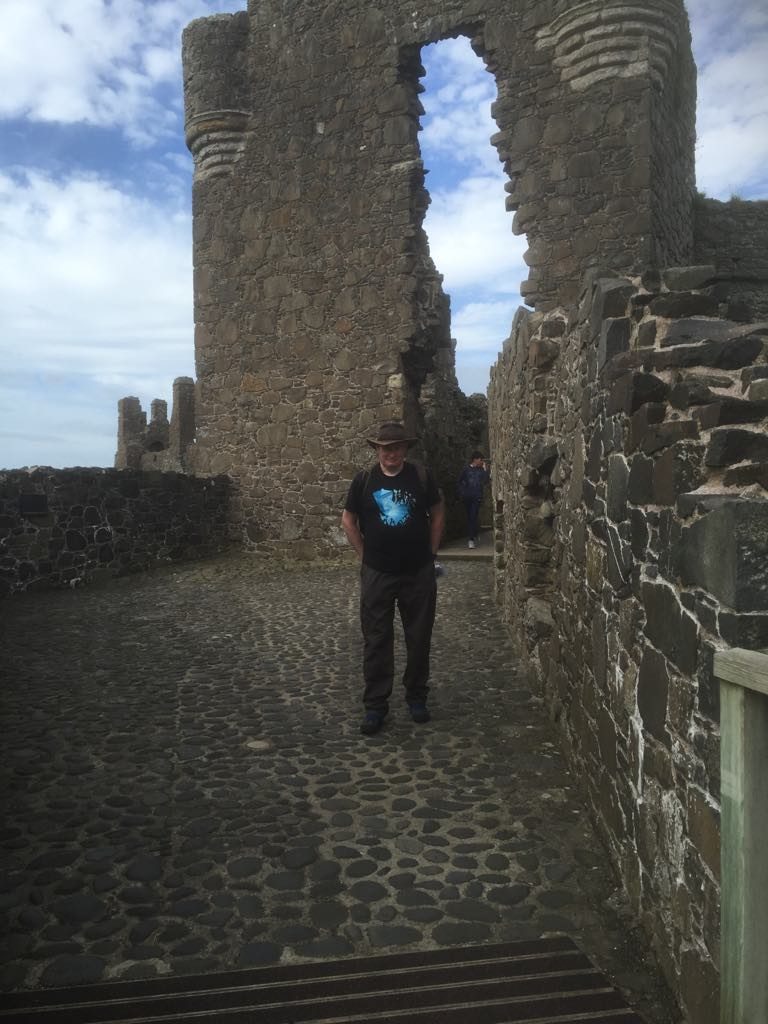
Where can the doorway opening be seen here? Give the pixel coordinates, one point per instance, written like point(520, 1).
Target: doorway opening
point(467, 225)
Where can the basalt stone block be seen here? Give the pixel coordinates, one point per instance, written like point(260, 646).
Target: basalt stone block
point(595, 458)
point(758, 391)
point(610, 299)
point(618, 482)
point(651, 413)
point(684, 304)
point(640, 533)
point(709, 687)
point(753, 373)
point(693, 391)
point(677, 470)
point(746, 476)
point(745, 630)
point(646, 334)
point(543, 453)
point(730, 354)
point(651, 279)
point(730, 410)
point(662, 435)
point(726, 553)
point(578, 542)
point(704, 828)
point(694, 501)
point(614, 339)
point(621, 363)
point(640, 482)
point(730, 445)
point(633, 390)
point(619, 561)
point(692, 329)
point(669, 627)
point(542, 353)
point(553, 328)
point(686, 278)
point(653, 694)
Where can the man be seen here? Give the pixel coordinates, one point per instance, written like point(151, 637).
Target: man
point(472, 482)
point(393, 518)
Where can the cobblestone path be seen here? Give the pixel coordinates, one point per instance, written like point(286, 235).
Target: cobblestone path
point(185, 787)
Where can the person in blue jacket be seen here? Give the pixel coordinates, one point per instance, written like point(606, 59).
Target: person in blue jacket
point(472, 482)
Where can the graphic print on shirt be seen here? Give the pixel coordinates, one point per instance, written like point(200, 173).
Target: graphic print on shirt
point(394, 507)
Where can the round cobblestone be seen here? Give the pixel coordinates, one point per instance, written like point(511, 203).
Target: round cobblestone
point(237, 816)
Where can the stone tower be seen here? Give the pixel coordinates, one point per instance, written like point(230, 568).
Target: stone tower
point(318, 311)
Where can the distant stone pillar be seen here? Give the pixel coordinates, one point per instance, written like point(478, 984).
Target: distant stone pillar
point(182, 432)
point(156, 436)
point(131, 426)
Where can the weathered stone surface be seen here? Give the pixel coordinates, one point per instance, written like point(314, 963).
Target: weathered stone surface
point(726, 553)
point(671, 629)
point(653, 693)
point(135, 520)
point(647, 415)
point(684, 304)
point(632, 390)
point(677, 470)
point(614, 339)
point(610, 300)
point(746, 475)
point(729, 410)
point(725, 355)
point(681, 278)
point(687, 330)
point(618, 483)
point(640, 482)
point(730, 445)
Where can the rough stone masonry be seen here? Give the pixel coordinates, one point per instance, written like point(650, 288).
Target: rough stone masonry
point(627, 410)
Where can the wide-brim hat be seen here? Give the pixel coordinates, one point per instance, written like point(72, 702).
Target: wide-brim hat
point(391, 433)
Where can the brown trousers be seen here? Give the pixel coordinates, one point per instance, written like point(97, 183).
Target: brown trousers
point(416, 598)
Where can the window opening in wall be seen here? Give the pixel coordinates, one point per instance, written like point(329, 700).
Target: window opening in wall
point(469, 230)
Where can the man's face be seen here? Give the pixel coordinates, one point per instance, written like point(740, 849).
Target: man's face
point(391, 457)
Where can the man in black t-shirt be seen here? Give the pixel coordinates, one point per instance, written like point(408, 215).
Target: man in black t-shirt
point(393, 517)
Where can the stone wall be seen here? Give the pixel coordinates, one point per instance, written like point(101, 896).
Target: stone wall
point(733, 237)
point(66, 527)
point(318, 310)
point(630, 440)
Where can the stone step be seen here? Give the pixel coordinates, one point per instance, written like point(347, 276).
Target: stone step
point(544, 981)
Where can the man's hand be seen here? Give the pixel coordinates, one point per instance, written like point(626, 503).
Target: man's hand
point(349, 525)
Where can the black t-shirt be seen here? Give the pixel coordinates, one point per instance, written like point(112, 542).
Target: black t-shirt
point(393, 516)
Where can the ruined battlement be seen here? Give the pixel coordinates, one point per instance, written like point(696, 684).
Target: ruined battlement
point(158, 444)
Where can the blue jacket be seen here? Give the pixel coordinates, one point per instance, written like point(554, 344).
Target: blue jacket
point(471, 483)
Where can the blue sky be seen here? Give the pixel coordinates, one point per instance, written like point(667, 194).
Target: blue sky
point(95, 183)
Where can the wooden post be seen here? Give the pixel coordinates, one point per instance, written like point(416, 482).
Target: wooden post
point(743, 677)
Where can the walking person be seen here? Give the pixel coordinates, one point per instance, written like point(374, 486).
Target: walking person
point(393, 517)
point(470, 489)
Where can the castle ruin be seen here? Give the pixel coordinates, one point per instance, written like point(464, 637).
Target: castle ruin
point(628, 408)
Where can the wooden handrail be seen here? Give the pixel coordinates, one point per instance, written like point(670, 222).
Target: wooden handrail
point(743, 677)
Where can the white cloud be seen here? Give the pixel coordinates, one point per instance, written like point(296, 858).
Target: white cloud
point(471, 240)
point(459, 125)
point(731, 52)
point(484, 326)
point(95, 62)
point(95, 288)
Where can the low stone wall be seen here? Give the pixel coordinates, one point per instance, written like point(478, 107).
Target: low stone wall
point(66, 527)
point(630, 442)
point(733, 237)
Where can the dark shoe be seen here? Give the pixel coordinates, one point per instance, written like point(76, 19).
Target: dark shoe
point(419, 712)
point(371, 724)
